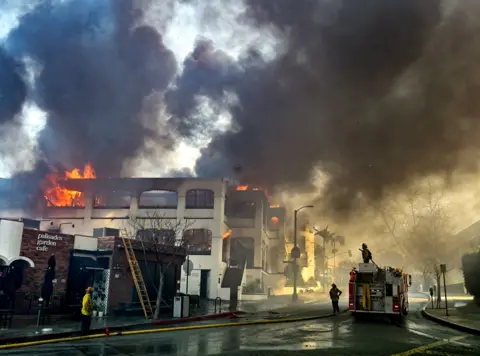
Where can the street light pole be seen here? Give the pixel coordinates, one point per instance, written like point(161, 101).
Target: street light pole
point(295, 251)
point(334, 257)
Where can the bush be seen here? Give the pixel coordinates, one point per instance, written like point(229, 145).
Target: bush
point(471, 274)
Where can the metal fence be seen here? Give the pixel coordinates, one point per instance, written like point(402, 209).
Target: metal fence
point(27, 303)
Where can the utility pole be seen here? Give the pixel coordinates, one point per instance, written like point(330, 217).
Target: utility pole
point(334, 256)
point(295, 255)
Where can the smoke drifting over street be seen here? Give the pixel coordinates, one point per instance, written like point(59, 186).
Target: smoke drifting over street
point(374, 93)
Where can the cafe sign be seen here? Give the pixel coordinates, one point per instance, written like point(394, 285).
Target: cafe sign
point(44, 241)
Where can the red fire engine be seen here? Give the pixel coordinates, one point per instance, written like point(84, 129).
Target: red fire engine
point(376, 291)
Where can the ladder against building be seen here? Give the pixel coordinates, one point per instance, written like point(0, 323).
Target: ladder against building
point(138, 278)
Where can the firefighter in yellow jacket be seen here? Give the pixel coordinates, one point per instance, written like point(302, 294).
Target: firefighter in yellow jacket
point(87, 309)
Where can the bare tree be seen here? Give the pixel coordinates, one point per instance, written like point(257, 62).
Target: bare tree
point(421, 229)
point(162, 236)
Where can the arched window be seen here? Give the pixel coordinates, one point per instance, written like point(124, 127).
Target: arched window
point(199, 241)
point(118, 199)
point(158, 199)
point(200, 199)
point(241, 249)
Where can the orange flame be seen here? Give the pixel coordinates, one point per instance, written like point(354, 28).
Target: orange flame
point(275, 206)
point(59, 196)
point(275, 220)
point(242, 187)
point(227, 234)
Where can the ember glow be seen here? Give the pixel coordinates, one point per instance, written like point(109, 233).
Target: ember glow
point(57, 195)
point(249, 187)
point(227, 234)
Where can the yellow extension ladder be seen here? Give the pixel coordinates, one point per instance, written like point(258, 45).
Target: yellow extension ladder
point(138, 278)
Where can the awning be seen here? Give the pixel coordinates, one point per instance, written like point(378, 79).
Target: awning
point(86, 263)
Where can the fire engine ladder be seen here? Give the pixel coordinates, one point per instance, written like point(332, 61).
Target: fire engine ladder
point(138, 278)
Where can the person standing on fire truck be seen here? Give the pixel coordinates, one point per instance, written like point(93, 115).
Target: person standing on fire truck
point(335, 294)
point(366, 254)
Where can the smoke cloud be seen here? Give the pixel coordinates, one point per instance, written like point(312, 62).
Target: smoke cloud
point(12, 87)
point(102, 72)
point(375, 94)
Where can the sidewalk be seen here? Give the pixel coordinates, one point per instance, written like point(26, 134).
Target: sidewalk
point(463, 314)
point(25, 328)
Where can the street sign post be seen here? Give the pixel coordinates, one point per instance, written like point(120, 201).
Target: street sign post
point(187, 267)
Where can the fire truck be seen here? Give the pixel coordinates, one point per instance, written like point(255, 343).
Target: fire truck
point(378, 291)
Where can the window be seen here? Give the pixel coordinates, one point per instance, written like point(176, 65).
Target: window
point(163, 199)
point(115, 199)
point(199, 199)
point(199, 241)
point(242, 209)
point(160, 236)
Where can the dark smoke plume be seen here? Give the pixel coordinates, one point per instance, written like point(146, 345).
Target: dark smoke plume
point(207, 72)
point(12, 87)
point(375, 93)
point(99, 65)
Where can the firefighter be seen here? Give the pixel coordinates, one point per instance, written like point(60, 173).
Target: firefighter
point(366, 254)
point(87, 309)
point(352, 274)
point(335, 294)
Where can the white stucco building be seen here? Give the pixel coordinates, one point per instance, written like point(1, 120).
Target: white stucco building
point(244, 229)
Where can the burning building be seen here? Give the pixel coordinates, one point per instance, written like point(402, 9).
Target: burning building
point(224, 226)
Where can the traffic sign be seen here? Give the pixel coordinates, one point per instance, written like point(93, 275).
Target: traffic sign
point(443, 268)
point(188, 267)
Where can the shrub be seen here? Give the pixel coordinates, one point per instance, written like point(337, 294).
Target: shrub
point(471, 274)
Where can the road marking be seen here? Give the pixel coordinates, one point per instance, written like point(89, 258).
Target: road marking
point(413, 331)
point(431, 346)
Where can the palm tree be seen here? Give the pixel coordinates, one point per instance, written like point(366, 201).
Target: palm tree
point(332, 238)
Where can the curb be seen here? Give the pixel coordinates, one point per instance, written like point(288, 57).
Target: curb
point(450, 324)
point(113, 329)
point(159, 330)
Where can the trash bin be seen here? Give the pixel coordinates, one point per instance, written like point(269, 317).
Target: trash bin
point(181, 307)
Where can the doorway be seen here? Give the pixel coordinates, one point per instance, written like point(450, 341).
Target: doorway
point(204, 280)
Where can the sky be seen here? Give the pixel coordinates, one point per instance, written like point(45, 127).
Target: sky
point(185, 27)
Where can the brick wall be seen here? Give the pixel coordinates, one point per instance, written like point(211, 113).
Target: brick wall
point(121, 281)
point(39, 246)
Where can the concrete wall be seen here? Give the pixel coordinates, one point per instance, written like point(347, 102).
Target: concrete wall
point(10, 239)
point(87, 243)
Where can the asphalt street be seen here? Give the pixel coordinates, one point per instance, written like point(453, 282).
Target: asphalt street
point(338, 335)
